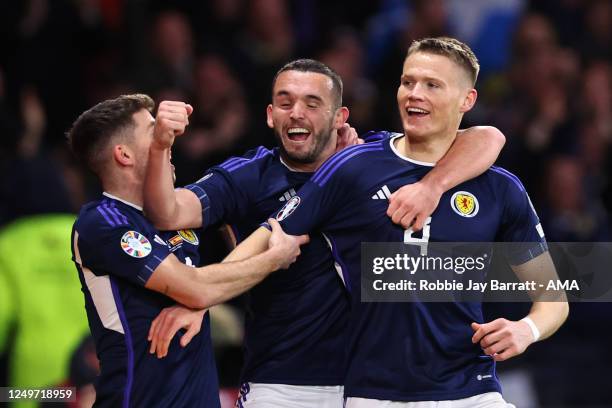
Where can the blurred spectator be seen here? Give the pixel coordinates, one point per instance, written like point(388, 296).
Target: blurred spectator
point(172, 54)
point(425, 18)
point(487, 25)
point(219, 123)
point(569, 212)
point(546, 82)
point(345, 54)
point(597, 38)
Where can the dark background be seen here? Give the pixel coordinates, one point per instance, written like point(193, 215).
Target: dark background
point(546, 83)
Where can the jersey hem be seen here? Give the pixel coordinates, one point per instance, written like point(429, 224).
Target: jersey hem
point(410, 397)
point(296, 381)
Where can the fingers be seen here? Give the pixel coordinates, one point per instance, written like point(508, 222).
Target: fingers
point(303, 239)
point(486, 328)
point(189, 334)
point(393, 205)
point(276, 228)
point(167, 331)
point(498, 347)
point(154, 330)
point(419, 222)
point(506, 354)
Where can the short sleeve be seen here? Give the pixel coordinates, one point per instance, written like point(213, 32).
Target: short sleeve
point(520, 224)
point(124, 251)
point(225, 190)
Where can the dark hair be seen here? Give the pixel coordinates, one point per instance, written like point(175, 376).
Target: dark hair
point(95, 128)
point(451, 48)
point(310, 65)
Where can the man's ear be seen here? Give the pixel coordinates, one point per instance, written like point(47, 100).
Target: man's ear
point(469, 101)
point(269, 120)
point(342, 115)
point(123, 155)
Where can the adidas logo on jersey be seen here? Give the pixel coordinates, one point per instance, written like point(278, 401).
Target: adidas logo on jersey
point(382, 194)
point(287, 195)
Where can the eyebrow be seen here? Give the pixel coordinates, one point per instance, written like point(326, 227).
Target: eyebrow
point(282, 93)
point(427, 78)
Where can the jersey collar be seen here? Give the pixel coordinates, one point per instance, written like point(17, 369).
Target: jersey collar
point(123, 201)
point(401, 156)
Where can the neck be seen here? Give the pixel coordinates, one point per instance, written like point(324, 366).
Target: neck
point(127, 190)
point(424, 149)
point(300, 167)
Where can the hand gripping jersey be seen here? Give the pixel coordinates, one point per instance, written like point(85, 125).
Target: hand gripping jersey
point(296, 318)
point(116, 250)
point(410, 351)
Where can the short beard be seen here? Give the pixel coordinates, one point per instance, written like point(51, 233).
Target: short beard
point(320, 143)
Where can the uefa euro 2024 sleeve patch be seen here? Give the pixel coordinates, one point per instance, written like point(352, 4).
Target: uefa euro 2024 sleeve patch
point(465, 204)
point(135, 244)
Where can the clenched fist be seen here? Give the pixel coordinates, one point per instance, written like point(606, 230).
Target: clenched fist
point(171, 120)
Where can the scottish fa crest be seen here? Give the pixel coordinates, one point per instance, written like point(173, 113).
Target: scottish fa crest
point(465, 204)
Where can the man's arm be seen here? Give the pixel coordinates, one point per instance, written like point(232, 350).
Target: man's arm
point(472, 153)
point(502, 338)
point(167, 208)
point(170, 320)
point(200, 288)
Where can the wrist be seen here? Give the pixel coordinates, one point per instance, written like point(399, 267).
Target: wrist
point(434, 185)
point(535, 332)
point(158, 148)
point(275, 256)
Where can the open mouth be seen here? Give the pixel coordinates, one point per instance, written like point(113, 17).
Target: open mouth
point(298, 134)
point(417, 112)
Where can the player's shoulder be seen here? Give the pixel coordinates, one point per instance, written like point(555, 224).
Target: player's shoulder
point(505, 179)
point(349, 161)
point(253, 159)
point(100, 217)
point(378, 135)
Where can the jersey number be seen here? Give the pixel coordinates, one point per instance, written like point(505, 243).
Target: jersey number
point(410, 238)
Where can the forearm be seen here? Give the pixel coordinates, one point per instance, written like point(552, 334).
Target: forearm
point(159, 196)
point(472, 153)
point(255, 244)
point(230, 279)
point(548, 317)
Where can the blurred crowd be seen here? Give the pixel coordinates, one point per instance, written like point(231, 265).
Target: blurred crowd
point(545, 82)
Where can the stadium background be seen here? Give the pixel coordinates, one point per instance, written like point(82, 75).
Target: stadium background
point(546, 82)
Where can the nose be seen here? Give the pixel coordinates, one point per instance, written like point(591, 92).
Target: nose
point(297, 111)
point(416, 92)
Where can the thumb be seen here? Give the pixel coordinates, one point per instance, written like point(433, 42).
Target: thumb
point(475, 326)
point(275, 225)
point(303, 239)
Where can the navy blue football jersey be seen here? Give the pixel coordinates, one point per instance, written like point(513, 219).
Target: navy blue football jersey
point(116, 250)
point(296, 318)
point(410, 351)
